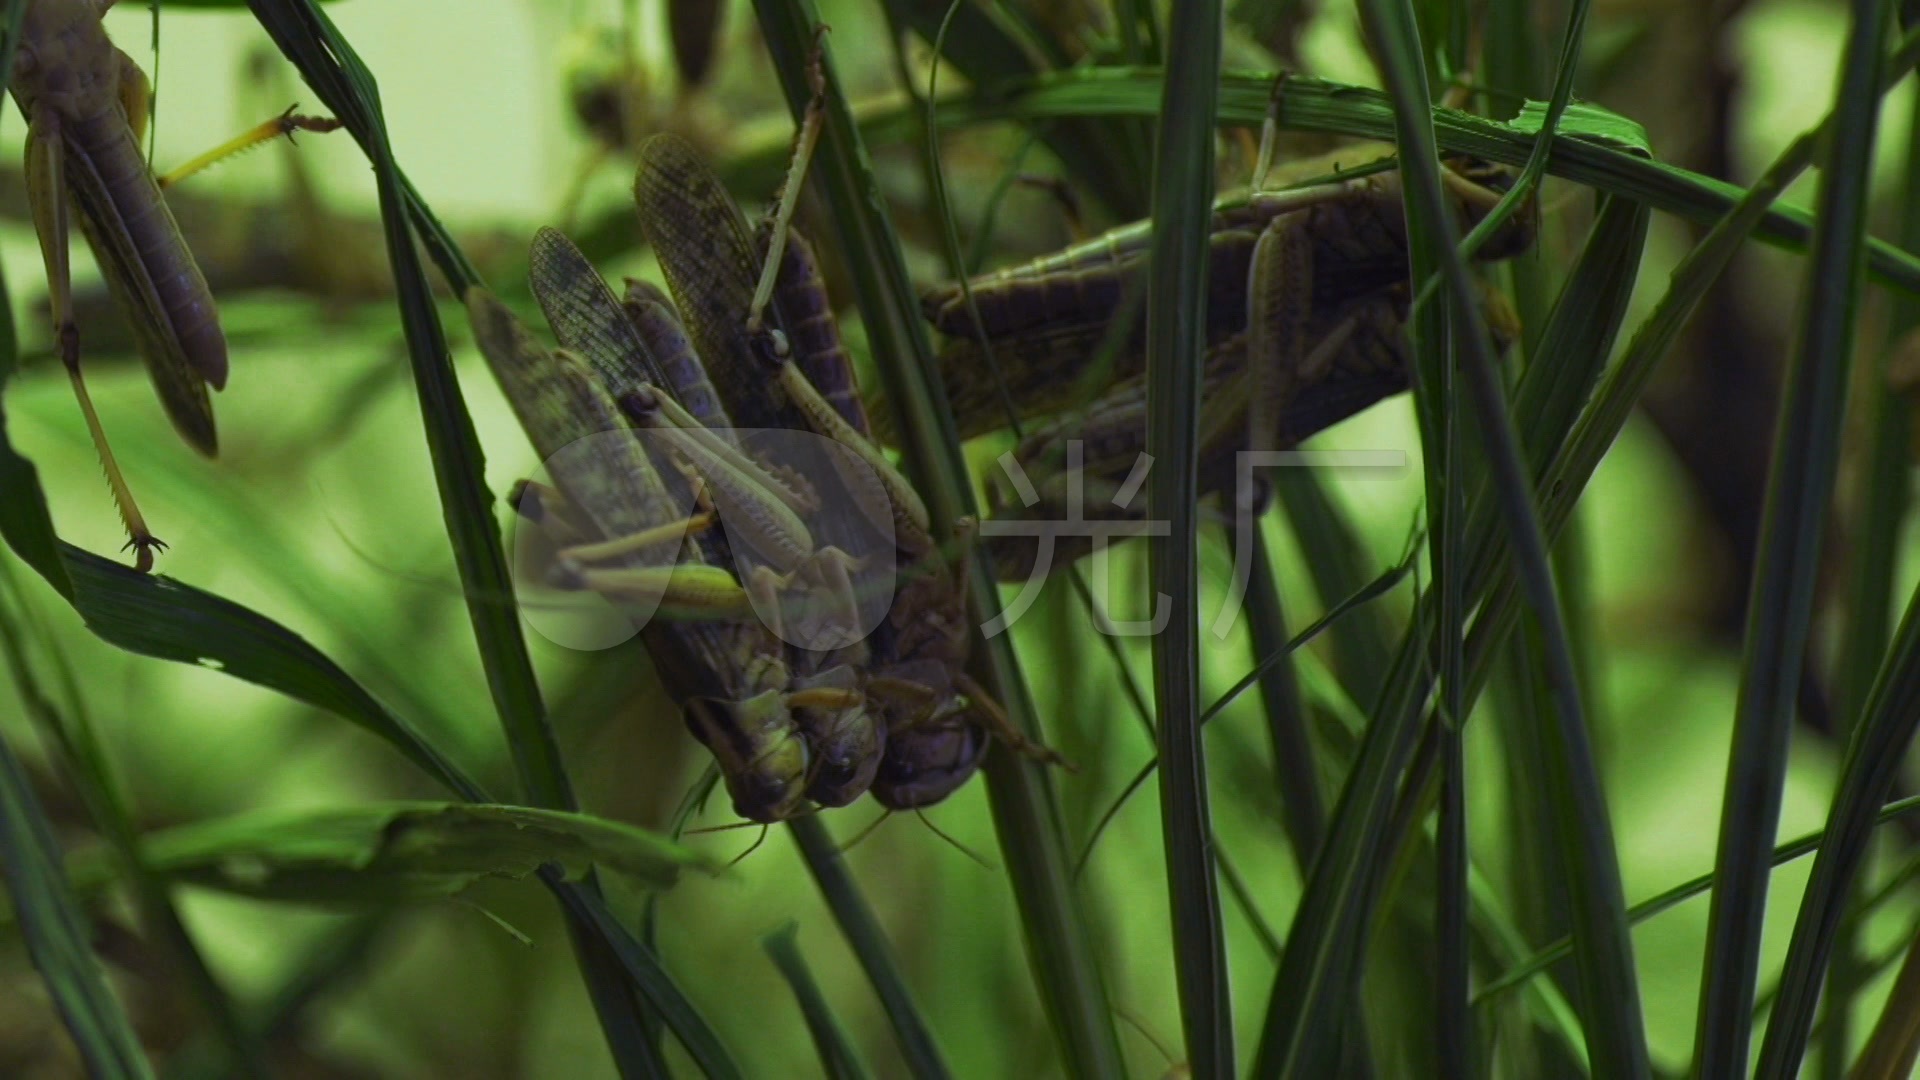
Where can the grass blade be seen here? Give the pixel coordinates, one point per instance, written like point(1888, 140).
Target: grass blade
point(1895, 1042)
point(328, 63)
point(1873, 764)
point(85, 765)
point(1604, 953)
point(1026, 819)
point(869, 942)
point(1320, 970)
point(1296, 774)
point(1799, 489)
point(55, 931)
point(1883, 500)
point(981, 45)
point(837, 1057)
point(1604, 156)
point(1530, 967)
point(1453, 1020)
point(1176, 341)
point(1362, 645)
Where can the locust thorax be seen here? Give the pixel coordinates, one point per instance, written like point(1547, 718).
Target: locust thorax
point(763, 758)
point(65, 59)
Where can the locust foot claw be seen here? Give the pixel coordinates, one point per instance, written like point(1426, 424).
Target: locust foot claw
point(143, 546)
point(290, 122)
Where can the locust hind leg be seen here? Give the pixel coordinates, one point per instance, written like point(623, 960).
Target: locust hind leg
point(982, 707)
point(286, 125)
point(581, 561)
point(811, 124)
point(136, 99)
point(962, 699)
point(47, 192)
point(1279, 360)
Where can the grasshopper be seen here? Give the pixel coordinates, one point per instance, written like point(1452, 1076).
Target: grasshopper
point(1366, 335)
point(86, 105)
point(1306, 326)
point(645, 362)
point(1284, 268)
point(938, 717)
point(790, 371)
point(847, 742)
point(721, 662)
point(706, 255)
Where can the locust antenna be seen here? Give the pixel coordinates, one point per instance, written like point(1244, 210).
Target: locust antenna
point(755, 846)
point(866, 831)
point(963, 849)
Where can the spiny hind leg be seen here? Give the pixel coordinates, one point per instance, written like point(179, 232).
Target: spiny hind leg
point(563, 523)
point(284, 125)
point(811, 124)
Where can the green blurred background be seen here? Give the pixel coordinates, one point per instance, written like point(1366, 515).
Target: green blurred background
point(321, 512)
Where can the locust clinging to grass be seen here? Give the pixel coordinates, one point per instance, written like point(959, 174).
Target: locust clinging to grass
point(86, 105)
point(776, 358)
point(641, 533)
point(1306, 317)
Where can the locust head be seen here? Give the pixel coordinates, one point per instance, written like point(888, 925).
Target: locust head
point(846, 740)
point(933, 747)
point(762, 756)
point(925, 765)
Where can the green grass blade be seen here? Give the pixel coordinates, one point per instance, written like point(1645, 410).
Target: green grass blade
point(1800, 487)
point(869, 942)
point(1536, 879)
point(1604, 951)
point(1026, 819)
point(1690, 281)
point(159, 617)
point(1361, 643)
point(1883, 499)
point(1295, 772)
point(838, 1060)
point(1453, 1019)
point(328, 64)
point(1524, 970)
point(1895, 1042)
point(1609, 162)
point(1885, 731)
point(331, 67)
point(55, 931)
point(979, 42)
point(1176, 341)
point(385, 852)
point(86, 767)
point(1319, 968)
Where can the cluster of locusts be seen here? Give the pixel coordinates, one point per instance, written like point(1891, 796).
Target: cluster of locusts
point(714, 467)
point(802, 613)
